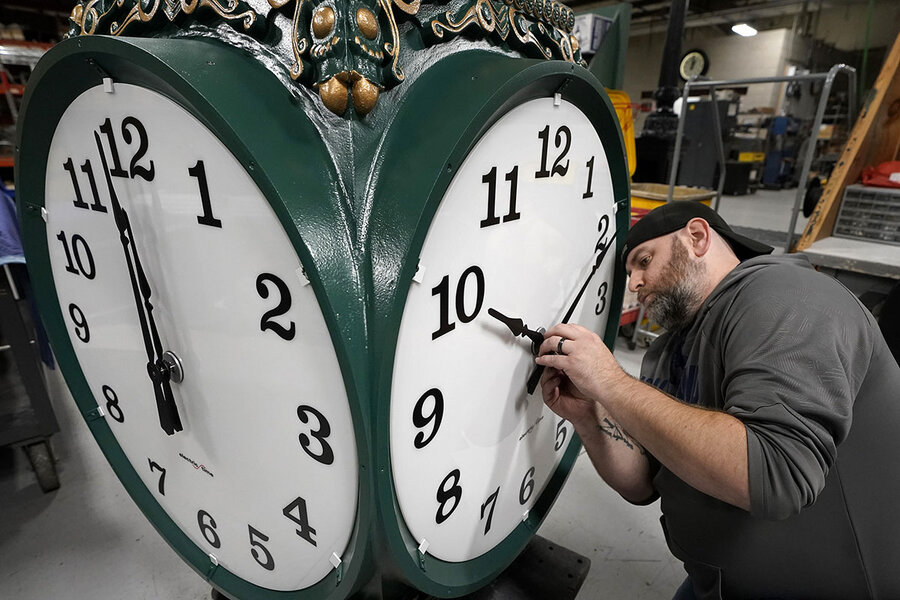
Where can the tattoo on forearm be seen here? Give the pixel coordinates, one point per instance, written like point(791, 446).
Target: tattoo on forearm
point(618, 434)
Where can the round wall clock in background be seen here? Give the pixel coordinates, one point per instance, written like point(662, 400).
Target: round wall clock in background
point(305, 341)
point(694, 63)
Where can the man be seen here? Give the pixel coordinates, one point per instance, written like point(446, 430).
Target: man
point(766, 418)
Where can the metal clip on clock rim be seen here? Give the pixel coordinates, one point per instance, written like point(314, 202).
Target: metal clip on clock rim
point(213, 565)
point(420, 551)
point(338, 565)
point(94, 413)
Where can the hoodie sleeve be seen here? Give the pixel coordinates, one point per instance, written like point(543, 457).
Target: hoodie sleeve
point(795, 351)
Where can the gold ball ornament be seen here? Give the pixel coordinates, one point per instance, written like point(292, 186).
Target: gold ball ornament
point(367, 22)
point(365, 96)
point(323, 21)
point(334, 95)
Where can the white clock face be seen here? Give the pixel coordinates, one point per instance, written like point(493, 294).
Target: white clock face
point(519, 229)
point(263, 475)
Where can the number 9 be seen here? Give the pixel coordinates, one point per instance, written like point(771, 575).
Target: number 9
point(420, 419)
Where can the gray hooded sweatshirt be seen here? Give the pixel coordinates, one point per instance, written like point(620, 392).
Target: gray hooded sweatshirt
point(802, 364)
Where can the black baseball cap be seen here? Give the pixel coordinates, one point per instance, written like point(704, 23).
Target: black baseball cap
point(674, 215)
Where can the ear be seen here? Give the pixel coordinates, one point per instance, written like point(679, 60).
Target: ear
point(700, 235)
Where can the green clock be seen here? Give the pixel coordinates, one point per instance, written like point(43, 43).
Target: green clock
point(181, 290)
point(519, 210)
point(301, 337)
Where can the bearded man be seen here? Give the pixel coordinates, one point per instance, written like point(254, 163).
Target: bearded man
point(766, 418)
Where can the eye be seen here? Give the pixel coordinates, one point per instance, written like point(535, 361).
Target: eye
point(644, 261)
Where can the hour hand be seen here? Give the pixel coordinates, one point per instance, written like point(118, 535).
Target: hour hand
point(519, 328)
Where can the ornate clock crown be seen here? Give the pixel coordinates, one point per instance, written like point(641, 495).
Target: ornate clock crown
point(349, 51)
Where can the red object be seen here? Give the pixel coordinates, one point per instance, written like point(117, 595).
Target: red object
point(880, 176)
point(637, 214)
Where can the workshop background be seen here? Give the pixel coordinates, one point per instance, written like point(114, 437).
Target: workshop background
point(69, 530)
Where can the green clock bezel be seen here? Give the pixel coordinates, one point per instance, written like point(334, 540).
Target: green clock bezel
point(448, 117)
point(227, 91)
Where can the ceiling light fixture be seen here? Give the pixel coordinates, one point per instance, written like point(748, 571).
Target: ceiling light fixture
point(743, 29)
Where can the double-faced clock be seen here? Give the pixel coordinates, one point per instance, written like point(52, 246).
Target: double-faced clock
point(312, 387)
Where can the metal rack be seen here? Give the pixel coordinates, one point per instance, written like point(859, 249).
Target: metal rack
point(712, 86)
point(14, 54)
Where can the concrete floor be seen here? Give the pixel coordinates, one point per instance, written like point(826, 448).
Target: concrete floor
point(87, 540)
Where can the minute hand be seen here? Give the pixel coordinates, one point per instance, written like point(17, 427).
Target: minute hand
point(169, 419)
point(535, 376)
point(587, 281)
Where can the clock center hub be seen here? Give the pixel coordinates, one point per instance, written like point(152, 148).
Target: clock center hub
point(167, 368)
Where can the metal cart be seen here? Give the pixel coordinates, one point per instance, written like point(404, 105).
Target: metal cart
point(26, 416)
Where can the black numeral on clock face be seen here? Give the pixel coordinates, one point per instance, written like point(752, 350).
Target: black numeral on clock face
point(256, 548)
point(602, 229)
point(561, 433)
point(301, 519)
point(112, 404)
point(117, 170)
point(135, 168)
point(527, 487)
point(601, 294)
point(444, 496)
point(208, 528)
point(492, 500)
point(421, 420)
point(82, 256)
point(490, 178)
point(563, 135)
point(267, 321)
point(79, 202)
point(326, 456)
point(590, 167)
point(207, 218)
point(81, 326)
point(155, 466)
point(442, 290)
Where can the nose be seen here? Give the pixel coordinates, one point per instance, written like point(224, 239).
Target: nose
point(635, 281)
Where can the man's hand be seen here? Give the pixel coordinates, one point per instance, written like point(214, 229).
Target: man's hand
point(707, 449)
point(585, 362)
point(565, 399)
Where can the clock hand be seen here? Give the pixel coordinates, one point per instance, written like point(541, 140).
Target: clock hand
point(169, 419)
point(535, 376)
point(519, 328)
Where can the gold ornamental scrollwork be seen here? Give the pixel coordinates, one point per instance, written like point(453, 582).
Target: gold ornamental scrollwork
point(135, 17)
point(540, 28)
point(349, 51)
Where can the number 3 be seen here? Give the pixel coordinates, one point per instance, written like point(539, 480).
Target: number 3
point(324, 430)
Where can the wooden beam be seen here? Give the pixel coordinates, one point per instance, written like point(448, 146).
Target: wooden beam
point(873, 140)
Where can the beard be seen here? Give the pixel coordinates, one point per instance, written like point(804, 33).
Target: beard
point(677, 297)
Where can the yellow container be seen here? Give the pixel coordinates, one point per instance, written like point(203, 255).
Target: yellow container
point(751, 157)
point(622, 103)
point(648, 196)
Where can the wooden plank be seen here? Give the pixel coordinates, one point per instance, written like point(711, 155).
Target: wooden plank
point(873, 140)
